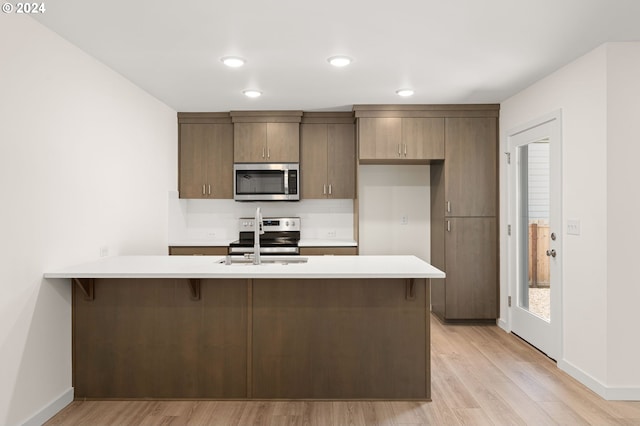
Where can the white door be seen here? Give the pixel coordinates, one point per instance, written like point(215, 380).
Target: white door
point(535, 243)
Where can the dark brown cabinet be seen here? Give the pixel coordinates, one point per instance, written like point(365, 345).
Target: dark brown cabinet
point(205, 155)
point(266, 136)
point(401, 138)
point(328, 156)
point(464, 230)
point(470, 167)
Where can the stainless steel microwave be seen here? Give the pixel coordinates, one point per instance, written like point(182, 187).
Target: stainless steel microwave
point(266, 182)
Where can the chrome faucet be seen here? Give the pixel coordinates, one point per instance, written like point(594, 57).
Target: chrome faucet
point(257, 231)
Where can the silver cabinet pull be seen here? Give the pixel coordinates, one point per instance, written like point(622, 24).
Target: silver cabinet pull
point(329, 189)
point(448, 226)
point(209, 189)
point(399, 150)
point(405, 149)
point(551, 253)
point(268, 152)
point(324, 189)
point(448, 206)
point(263, 152)
point(203, 188)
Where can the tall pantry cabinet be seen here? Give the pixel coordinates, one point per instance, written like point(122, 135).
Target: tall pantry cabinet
point(464, 208)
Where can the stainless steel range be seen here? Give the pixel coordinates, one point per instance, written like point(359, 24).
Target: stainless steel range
point(280, 237)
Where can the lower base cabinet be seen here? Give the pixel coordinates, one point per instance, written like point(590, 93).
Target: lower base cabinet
point(328, 251)
point(470, 291)
point(198, 251)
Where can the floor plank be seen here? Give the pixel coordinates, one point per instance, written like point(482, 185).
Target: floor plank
point(480, 375)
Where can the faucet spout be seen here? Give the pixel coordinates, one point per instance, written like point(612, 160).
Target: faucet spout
point(257, 230)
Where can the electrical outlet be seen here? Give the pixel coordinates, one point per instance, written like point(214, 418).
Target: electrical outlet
point(573, 227)
point(104, 251)
point(404, 220)
point(331, 234)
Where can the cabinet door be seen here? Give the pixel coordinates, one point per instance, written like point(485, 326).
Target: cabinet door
point(193, 148)
point(220, 161)
point(470, 166)
point(423, 138)
point(341, 165)
point(313, 160)
point(250, 142)
point(283, 142)
point(472, 268)
point(379, 138)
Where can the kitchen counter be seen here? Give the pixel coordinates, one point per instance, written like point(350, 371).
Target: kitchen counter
point(334, 328)
point(317, 242)
point(210, 267)
point(306, 242)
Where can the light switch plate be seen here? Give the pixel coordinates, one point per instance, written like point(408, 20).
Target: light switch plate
point(573, 227)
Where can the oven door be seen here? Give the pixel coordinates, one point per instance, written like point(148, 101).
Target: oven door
point(265, 182)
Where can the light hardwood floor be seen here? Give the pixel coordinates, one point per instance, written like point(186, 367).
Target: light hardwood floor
point(480, 376)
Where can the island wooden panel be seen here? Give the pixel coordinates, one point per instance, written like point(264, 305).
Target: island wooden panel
point(252, 339)
point(146, 338)
point(340, 339)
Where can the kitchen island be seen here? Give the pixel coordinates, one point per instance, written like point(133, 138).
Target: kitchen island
point(335, 327)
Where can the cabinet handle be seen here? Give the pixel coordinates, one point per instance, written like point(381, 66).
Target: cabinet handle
point(324, 189)
point(263, 152)
point(268, 152)
point(405, 149)
point(448, 206)
point(399, 150)
point(209, 189)
point(329, 189)
point(448, 226)
point(203, 188)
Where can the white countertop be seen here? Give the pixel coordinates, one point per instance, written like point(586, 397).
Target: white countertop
point(308, 242)
point(209, 267)
point(316, 242)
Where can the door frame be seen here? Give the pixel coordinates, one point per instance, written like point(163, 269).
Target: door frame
point(556, 197)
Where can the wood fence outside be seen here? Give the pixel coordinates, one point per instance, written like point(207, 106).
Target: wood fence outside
point(538, 259)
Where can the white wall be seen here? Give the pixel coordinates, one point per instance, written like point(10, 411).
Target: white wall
point(623, 202)
point(599, 116)
point(86, 160)
point(387, 193)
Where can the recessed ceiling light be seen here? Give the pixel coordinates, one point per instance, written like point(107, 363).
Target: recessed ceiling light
point(339, 61)
point(404, 92)
point(252, 93)
point(233, 61)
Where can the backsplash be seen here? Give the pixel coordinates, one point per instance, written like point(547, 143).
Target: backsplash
point(217, 220)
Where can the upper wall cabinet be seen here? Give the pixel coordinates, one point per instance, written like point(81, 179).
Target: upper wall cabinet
point(266, 136)
point(470, 168)
point(328, 155)
point(401, 138)
point(205, 155)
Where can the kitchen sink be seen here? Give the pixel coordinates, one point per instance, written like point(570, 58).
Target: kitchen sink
point(280, 260)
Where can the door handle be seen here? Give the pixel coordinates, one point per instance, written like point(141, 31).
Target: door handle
point(551, 253)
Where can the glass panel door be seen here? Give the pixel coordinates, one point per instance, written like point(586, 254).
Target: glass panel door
point(533, 180)
point(535, 262)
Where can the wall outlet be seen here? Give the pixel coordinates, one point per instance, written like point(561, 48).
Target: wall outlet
point(404, 220)
point(210, 234)
point(104, 251)
point(573, 226)
point(331, 234)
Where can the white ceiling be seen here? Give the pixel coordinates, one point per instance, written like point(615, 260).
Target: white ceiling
point(448, 51)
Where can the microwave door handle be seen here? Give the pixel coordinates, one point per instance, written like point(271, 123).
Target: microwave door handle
point(286, 182)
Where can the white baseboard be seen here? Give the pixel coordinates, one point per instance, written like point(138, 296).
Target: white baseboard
point(50, 409)
point(503, 325)
point(607, 392)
